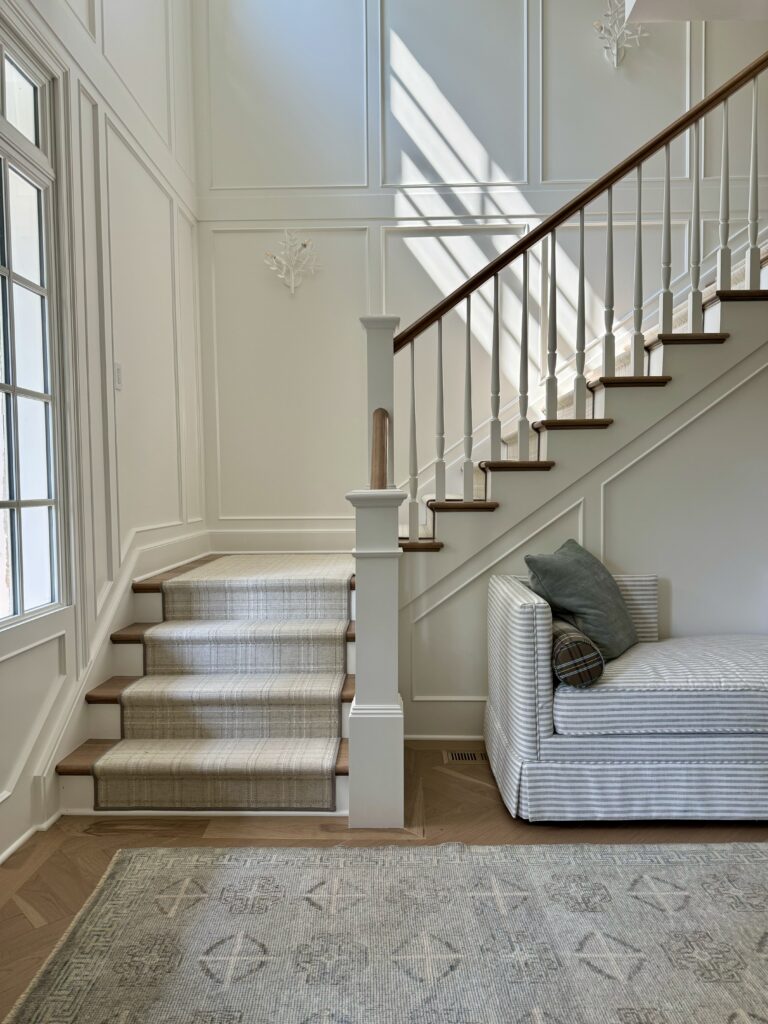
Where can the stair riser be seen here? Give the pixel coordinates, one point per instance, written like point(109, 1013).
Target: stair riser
point(128, 659)
point(77, 796)
point(104, 720)
point(149, 607)
point(621, 404)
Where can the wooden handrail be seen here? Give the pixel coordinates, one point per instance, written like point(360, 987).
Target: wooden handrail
point(589, 194)
point(379, 450)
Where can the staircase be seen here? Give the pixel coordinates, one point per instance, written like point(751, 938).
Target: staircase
point(244, 700)
point(244, 687)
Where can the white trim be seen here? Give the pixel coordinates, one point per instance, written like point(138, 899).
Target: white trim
point(17, 843)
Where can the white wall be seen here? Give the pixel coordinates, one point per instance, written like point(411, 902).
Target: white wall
point(411, 142)
point(122, 84)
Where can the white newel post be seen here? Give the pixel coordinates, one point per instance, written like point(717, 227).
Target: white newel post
point(380, 361)
point(376, 780)
point(376, 748)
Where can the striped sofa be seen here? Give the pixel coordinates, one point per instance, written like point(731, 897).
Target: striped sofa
point(675, 728)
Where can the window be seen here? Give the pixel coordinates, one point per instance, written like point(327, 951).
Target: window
point(28, 497)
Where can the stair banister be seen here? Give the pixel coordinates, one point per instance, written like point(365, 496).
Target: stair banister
point(596, 190)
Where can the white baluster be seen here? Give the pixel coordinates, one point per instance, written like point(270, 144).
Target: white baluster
point(543, 308)
point(753, 249)
point(413, 479)
point(468, 468)
point(495, 376)
point(665, 299)
point(550, 385)
point(695, 307)
point(523, 426)
point(440, 420)
point(580, 384)
point(638, 341)
point(609, 339)
point(724, 252)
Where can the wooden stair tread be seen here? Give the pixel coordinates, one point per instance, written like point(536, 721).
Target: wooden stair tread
point(421, 545)
point(462, 506)
point(112, 689)
point(134, 634)
point(154, 584)
point(687, 338)
point(515, 465)
point(83, 758)
point(629, 382)
point(564, 424)
point(743, 295)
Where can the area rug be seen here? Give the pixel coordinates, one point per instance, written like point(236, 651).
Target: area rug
point(429, 935)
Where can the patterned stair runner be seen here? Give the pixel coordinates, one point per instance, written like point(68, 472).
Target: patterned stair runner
point(241, 705)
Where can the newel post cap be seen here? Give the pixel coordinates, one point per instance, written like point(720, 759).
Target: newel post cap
point(390, 498)
point(381, 323)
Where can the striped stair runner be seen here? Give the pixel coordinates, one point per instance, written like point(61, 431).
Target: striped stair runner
point(240, 708)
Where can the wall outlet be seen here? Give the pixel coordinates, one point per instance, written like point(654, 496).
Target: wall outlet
point(118, 376)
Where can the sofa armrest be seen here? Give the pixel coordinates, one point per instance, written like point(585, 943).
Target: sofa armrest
point(520, 690)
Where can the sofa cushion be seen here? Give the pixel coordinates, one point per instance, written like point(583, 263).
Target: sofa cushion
point(581, 590)
point(576, 660)
point(703, 684)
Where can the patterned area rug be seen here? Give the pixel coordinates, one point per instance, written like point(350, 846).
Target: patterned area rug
point(429, 935)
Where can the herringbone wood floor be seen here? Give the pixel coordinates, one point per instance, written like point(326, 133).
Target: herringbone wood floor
point(44, 884)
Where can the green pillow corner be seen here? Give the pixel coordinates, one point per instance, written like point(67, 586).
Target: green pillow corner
point(581, 591)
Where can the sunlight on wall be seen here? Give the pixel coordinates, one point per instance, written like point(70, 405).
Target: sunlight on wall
point(446, 144)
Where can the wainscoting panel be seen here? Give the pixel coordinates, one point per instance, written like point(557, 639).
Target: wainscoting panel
point(728, 46)
point(592, 115)
point(455, 92)
point(287, 93)
point(290, 425)
point(687, 511)
point(142, 290)
point(137, 45)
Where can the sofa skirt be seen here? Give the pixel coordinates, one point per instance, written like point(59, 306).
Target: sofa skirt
point(614, 790)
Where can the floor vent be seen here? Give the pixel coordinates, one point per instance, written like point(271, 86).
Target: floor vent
point(465, 756)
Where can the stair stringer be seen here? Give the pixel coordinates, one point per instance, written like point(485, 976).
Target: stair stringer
point(442, 596)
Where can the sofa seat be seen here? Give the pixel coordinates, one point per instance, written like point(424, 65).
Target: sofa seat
point(706, 684)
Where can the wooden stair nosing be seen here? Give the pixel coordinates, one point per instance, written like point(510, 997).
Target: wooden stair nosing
point(420, 545)
point(154, 584)
point(659, 381)
point(134, 634)
point(688, 338)
point(81, 761)
point(462, 506)
point(743, 295)
point(515, 465)
point(568, 424)
point(112, 689)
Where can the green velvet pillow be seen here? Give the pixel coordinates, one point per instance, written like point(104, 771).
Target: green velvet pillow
point(581, 590)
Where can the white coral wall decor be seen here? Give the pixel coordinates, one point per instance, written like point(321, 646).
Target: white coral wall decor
point(296, 259)
point(615, 34)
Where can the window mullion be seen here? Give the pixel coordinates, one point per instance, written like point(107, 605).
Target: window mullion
point(13, 425)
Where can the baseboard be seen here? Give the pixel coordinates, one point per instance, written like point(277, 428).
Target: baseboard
point(444, 739)
point(17, 843)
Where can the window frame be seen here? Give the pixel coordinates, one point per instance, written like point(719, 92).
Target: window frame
point(34, 162)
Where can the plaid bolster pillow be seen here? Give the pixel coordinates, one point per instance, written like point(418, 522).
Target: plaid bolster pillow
point(576, 660)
